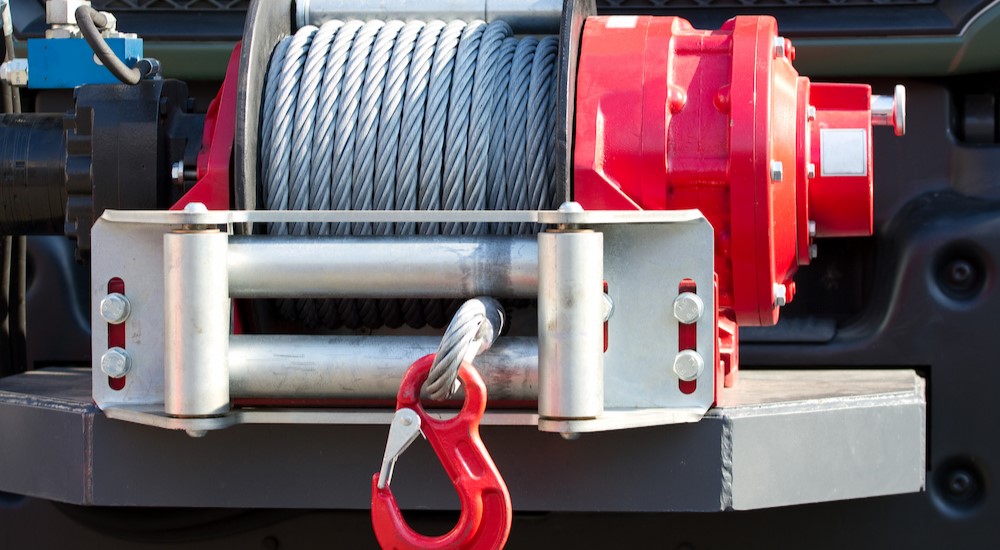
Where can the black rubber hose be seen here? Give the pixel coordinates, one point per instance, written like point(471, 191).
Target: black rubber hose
point(91, 22)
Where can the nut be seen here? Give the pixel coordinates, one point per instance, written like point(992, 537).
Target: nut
point(63, 12)
point(15, 72)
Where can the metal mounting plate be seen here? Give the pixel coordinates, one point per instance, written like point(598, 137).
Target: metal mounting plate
point(647, 256)
point(782, 438)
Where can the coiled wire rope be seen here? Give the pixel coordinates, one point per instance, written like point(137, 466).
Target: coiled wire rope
point(406, 116)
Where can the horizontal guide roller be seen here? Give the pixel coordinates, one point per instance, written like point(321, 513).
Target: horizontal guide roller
point(364, 367)
point(383, 267)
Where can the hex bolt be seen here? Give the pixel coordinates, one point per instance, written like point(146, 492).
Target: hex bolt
point(810, 170)
point(813, 251)
point(608, 306)
point(688, 308)
point(116, 362)
point(688, 365)
point(177, 173)
point(810, 113)
point(777, 171)
point(115, 308)
point(812, 228)
point(779, 47)
point(779, 295)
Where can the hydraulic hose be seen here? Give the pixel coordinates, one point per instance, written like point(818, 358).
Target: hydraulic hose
point(91, 22)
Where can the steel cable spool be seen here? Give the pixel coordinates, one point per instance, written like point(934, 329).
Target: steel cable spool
point(419, 115)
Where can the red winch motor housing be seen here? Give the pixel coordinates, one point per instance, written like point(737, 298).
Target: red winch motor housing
point(669, 117)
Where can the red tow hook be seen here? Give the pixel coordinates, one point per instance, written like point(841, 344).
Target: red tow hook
point(486, 510)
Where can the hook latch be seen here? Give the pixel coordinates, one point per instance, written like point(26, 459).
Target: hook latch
point(486, 512)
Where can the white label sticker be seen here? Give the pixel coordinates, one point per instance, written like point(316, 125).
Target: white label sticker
point(843, 152)
point(622, 22)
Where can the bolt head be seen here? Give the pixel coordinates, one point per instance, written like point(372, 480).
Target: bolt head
point(810, 170)
point(779, 47)
point(116, 362)
point(15, 72)
point(813, 251)
point(607, 307)
point(810, 113)
point(688, 308)
point(779, 295)
point(195, 208)
point(812, 228)
point(177, 172)
point(115, 308)
point(570, 206)
point(689, 365)
point(777, 171)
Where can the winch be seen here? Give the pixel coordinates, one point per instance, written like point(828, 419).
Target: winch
point(592, 205)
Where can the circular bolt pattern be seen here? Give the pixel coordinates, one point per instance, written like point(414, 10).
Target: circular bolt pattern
point(688, 365)
point(115, 308)
point(777, 171)
point(688, 308)
point(116, 362)
point(779, 295)
point(779, 47)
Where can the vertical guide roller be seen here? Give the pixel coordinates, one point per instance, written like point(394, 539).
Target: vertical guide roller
point(419, 115)
point(570, 324)
point(196, 323)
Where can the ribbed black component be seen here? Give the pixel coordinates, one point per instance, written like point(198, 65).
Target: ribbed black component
point(32, 174)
